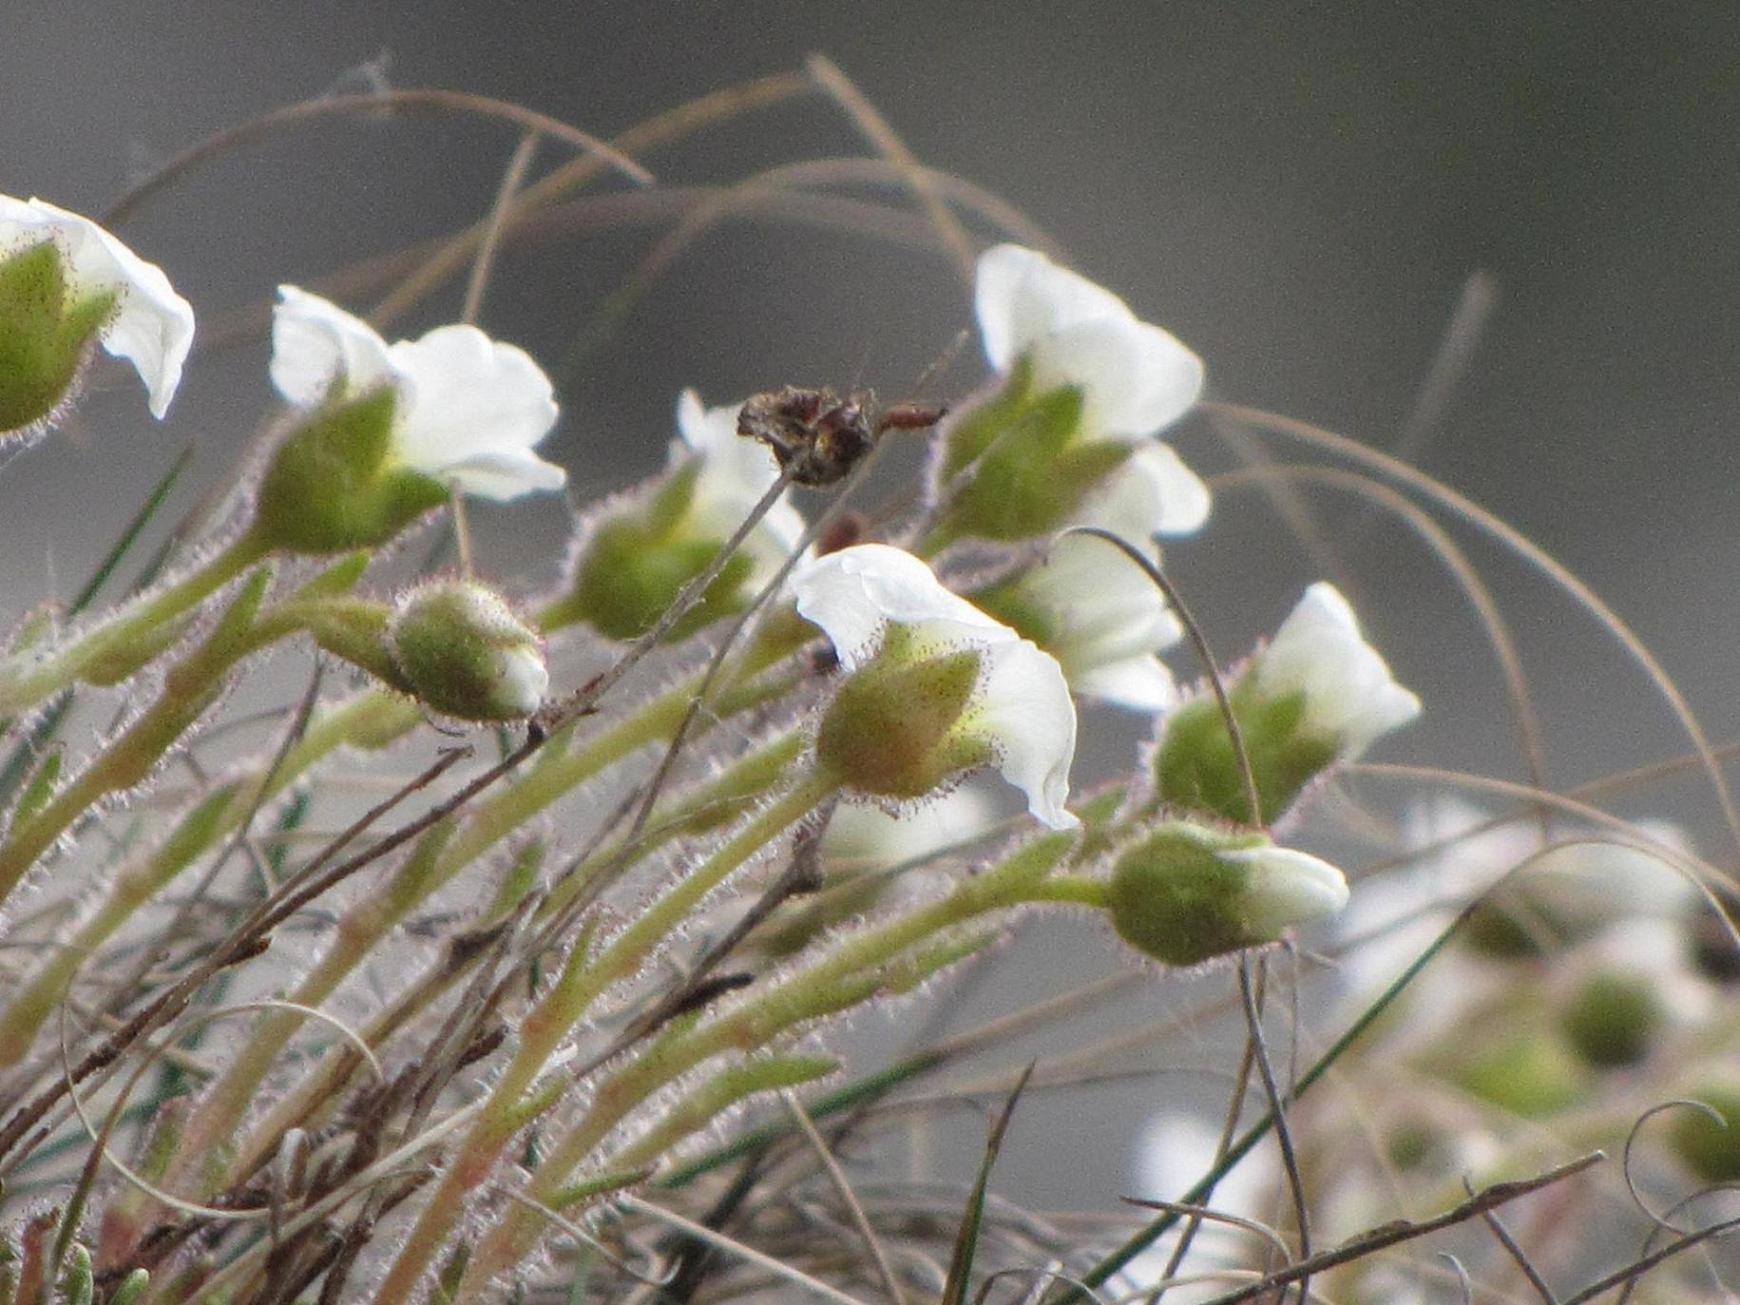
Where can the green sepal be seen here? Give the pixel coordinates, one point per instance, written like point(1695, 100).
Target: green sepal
point(890, 729)
point(131, 1289)
point(1195, 768)
point(78, 1285)
point(1015, 467)
point(332, 486)
point(44, 340)
point(635, 565)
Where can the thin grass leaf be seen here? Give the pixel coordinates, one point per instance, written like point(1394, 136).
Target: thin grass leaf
point(967, 1239)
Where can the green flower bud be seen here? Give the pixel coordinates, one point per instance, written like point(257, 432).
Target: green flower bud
point(1184, 894)
point(333, 484)
point(1710, 1147)
point(1613, 1019)
point(464, 652)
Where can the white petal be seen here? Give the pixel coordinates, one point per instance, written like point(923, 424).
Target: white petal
point(1021, 296)
point(1141, 683)
point(863, 837)
point(524, 678)
point(1287, 887)
point(854, 593)
point(735, 473)
point(1177, 1149)
point(152, 326)
point(1153, 493)
point(471, 401)
point(1024, 710)
point(506, 475)
point(1347, 685)
point(1135, 378)
point(316, 345)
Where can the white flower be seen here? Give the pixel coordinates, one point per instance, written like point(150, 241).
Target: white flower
point(1020, 707)
point(1349, 693)
point(1135, 378)
point(150, 326)
point(733, 475)
point(469, 409)
point(1105, 620)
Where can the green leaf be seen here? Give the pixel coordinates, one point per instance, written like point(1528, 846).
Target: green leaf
point(972, 1219)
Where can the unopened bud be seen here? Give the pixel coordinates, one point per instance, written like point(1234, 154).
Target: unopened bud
point(465, 653)
point(1184, 894)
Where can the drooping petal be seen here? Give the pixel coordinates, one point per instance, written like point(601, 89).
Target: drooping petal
point(1153, 493)
point(1349, 692)
point(854, 594)
point(1020, 708)
point(316, 346)
point(151, 326)
point(1021, 296)
point(473, 402)
point(1024, 711)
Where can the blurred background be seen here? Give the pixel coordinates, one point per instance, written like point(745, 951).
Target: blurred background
point(1308, 194)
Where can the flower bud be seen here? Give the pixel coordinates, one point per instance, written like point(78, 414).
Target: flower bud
point(465, 653)
point(1184, 894)
point(1316, 695)
point(1710, 1147)
point(66, 286)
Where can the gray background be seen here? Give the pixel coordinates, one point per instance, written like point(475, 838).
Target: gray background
point(1298, 190)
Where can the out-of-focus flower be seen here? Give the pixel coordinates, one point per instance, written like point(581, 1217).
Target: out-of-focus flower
point(935, 687)
point(1082, 381)
point(1316, 695)
point(67, 285)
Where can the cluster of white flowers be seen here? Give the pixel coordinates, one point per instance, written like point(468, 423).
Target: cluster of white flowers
point(467, 412)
